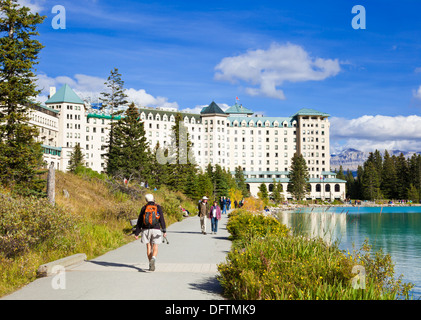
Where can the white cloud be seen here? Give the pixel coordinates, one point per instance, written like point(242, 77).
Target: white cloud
point(417, 93)
point(34, 5)
point(368, 133)
point(142, 98)
point(269, 69)
point(90, 88)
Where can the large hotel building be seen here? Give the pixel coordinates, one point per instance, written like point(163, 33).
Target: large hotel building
point(261, 146)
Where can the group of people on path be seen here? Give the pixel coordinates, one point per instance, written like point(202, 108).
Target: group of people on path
point(214, 213)
point(152, 227)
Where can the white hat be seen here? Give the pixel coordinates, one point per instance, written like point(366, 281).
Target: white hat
point(149, 197)
point(205, 198)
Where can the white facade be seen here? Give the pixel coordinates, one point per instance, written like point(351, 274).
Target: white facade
point(47, 122)
point(261, 146)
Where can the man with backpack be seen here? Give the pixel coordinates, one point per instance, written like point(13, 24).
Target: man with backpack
point(150, 222)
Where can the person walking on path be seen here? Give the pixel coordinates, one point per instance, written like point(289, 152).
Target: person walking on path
point(215, 215)
point(150, 222)
point(224, 205)
point(203, 213)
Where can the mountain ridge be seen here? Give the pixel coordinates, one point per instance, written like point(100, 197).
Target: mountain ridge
point(351, 158)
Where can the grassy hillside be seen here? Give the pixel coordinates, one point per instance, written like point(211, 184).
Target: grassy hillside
point(91, 216)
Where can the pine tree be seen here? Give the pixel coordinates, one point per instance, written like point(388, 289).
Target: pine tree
point(277, 192)
point(181, 162)
point(76, 159)
point(221, 182)
point(370, 182)
point(402, 177)
point(241, 182)
point(20, 155)
point(350, 185)
point(359, 183)
point(159, 172)
point(415, 171)
point(388, 183)
point(263, 192)
point(413, 193)
point(204, 185)
point(298, 177)
point(112, 99)
point(131, 155)
point(191, 187)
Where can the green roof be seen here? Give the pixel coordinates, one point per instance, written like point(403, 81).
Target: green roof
point(310, 112)
point(237, 108)
point(211, 109)
point(65, 94)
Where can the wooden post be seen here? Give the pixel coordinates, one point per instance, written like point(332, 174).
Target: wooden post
point(51, 184)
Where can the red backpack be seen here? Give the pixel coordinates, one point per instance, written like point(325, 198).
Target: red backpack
point(151, 216)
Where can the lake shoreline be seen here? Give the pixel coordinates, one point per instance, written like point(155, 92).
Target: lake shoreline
point(292, 207)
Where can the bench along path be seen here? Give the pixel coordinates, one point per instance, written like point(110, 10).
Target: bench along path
point(186, 269)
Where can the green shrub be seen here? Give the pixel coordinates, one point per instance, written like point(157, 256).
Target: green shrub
point(282, 266)
point(244, 226)
point(26, 223)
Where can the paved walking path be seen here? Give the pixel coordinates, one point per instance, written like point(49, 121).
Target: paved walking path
point(186, 269)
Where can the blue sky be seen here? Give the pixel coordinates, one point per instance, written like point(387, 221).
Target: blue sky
point(276, 56)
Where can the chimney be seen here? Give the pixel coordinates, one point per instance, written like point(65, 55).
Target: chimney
point(52, 91)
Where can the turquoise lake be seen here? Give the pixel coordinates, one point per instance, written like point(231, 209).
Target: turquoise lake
point(397, 230)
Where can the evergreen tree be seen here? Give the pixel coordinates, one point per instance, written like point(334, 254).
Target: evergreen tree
point(159, 172)
point(415, 171)
point(277, 192)
point(388, 183)
point(20, 155)
point(413, 193)
point(402, 177)
point(350, 185)
point(204, 185)
point(190, 188)
point(112, 99)
point(76, 159)
point(241, 182)
point(263, 192)
point(359, 183)
point(181, 162)
point(131, 156)
point(298, 177)
point(370, 182)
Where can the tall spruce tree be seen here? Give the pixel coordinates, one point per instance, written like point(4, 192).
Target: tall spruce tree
point(181, 162)
point(350, 185)
point(241, 182)
point(277, 192)
point(76, 159)
point(263, 193)
point(388, 183)
point(113, 98)
point(298, 177)
point(204, 185)
point(131, 156)
point(371, 182)
point(402, 176)
point(159, 172)
point(20, 155)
